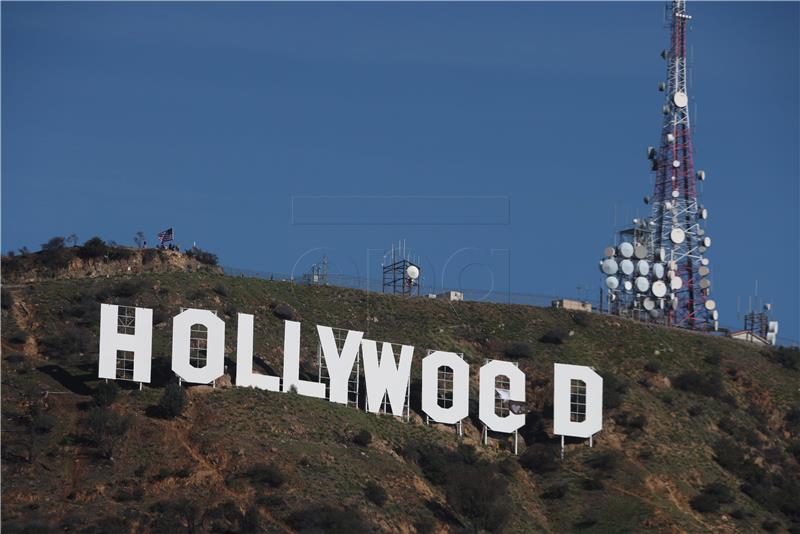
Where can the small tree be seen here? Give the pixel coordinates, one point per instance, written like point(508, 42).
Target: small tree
point(375, 493)
point(106, 429)
point(172, 401)
point(72, 240)
point(363, 438)
point(106, 393)
point(93, 248)
point(55, 243)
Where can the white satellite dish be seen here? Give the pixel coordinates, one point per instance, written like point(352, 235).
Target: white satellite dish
point(655, 314)
point(659, 288)
point(705, 283)
point(662, 254)
point(642, 285)
point(701, 175)
point(676, 163)
point(628, 285)
point(613, 297)
point(643, 267)
point(704, 261)
point(773, 327)
point(674, 303)
point(648, 304)
point(700, 232)
point(710, 305)
point(706, 241)
point(640, 251)
point(612, 282)
point(704, 213)
point(673, 265)
point(703, 270)
point(667, 205)
point(609, 266)
point(658, 270)
point(677, 236)
point(715, 315)
point(701, 249)
point(675, 193)
point(670, 138)
point(676, 283)
point(609, 252)
point(680, 99)
point(626, 249)
point(412, 271)
point(626, 266)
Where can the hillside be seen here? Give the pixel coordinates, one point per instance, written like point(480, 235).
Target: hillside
point(700, 433)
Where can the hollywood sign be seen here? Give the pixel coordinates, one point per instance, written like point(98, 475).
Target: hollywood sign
point(577, 391)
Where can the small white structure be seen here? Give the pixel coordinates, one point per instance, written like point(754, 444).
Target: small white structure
point(747, 335)
point(451, 296)
point(568, 304)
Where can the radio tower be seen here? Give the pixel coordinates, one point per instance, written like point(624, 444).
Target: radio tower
point(677, 217)
point(657, 270)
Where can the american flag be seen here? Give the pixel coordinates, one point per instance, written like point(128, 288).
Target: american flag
point(165, 236)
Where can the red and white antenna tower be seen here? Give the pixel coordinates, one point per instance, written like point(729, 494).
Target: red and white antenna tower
point(657, 270)
point(678, 219)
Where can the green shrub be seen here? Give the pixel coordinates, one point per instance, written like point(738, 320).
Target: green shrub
point(268, 474)
point(652, 367)
point(173, 401)
point(221, 290)
point(375, 493)
point(519, 349)
point(789, 357)
point(93, 248)
point(202, 256)
point(326, 518)
point(556, 336)
point(583, 319)
point(106, 429)
point(708, 385)
point(539, 458)
point(704, 503)
point(7, 299)
point(363, 438)
point(554, 492)
point(106, 393)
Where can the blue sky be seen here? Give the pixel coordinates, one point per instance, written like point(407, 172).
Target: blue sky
point(529, 119)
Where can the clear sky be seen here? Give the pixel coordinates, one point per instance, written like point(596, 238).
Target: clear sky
point(523, 124)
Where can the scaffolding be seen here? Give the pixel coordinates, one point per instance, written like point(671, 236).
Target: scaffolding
point(353, 382)
point(401, 271)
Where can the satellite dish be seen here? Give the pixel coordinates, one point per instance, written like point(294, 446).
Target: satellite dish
point(700, 231)
point(626, 249)
point(643, 267)
point(626, 266)
point(640, 251)
point(711, 305)
point(680, 99)
point(658, 270)
point(412, 271)
point(703, 270)
point(706, 241)
point(628, 285)
point(674, 304)
point(655, 314)
point(704, 261)
point(704, 213)
point(649, 304)
point(715, 315)
point(612, 282)
point(773, 327)
point(670, 138)
point(609, 252)
point(701, 249)
point(677, 236)
point(673, 265)
point(659, 288)
point(675, 193)
point(665, 110)
point(609, 266)
point(701, 175)
point(662, 254)
point(705, 283)
point(642, 285)
point(662, 86)
point(676, 163)
point(647, 200)
point(676, 283)
point(651, 152)
point(668, 205)
point(613, 297)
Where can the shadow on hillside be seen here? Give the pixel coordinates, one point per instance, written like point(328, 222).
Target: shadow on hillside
point(74, 383)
